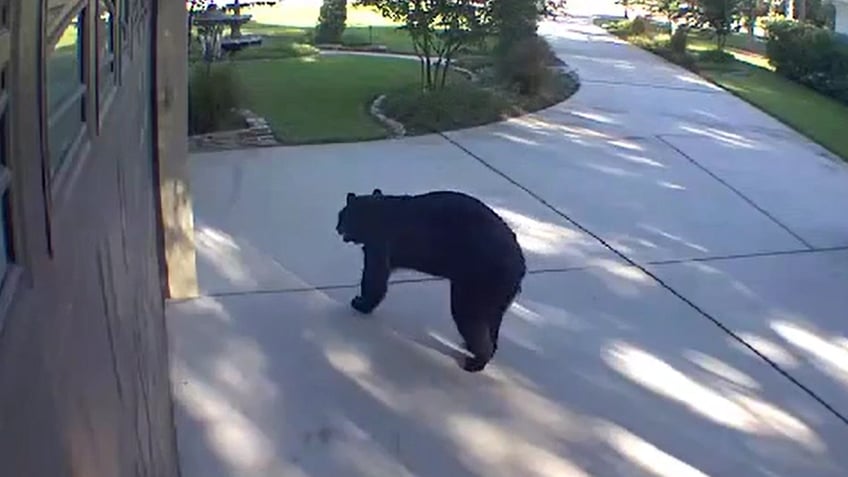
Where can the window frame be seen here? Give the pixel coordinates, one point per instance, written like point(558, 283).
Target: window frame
point(124, 33)
point(59, 178)
point(105, 96)
point(11, 278)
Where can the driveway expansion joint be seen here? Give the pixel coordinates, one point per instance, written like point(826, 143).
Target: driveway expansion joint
point(656, 279)
point(736, 191)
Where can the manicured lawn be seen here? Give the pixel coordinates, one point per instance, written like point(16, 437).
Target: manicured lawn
point(395, 40)
point(325, 98)
point(296, 19)
point(305, 14)
point(812, 114)
point(751, 78)
point(272, 48)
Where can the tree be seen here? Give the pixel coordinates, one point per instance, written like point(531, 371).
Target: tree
point(719, 15)
point(751, 10)
point(821, 13)
point(514, 21)
point(194, 7)
point(331, 21)
point(671, 9)
point(626, 5)
point(439, 29)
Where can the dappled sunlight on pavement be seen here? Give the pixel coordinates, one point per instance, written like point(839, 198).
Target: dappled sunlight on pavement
point(298, 383)
point(603, 368)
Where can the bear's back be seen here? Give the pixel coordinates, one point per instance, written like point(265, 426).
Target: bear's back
point(449, 233)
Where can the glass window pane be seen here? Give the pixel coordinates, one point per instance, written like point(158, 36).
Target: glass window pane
point(65, 92)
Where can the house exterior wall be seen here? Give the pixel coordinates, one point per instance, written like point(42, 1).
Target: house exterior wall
point(84, 387)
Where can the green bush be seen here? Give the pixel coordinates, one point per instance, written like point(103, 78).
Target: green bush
point(525, 65)
point(331, 21)
point(515, 21)
point(810, 55)
point(679, 40)
point(457, 105)
point(639, 26)
point(213, 96)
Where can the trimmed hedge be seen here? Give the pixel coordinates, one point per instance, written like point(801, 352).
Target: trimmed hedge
point(810, 55)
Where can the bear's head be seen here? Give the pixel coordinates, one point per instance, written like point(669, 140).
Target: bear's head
point(359, 221)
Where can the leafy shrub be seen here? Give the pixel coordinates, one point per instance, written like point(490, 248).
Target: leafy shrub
point(213, 95)
point(679, 40)
point(639, 26)
point(525, 65)
point(810, 55)
point(331, 21)
point(514, 21)
point(459, 104)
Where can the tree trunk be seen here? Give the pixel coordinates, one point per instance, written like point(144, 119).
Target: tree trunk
point(421, 76)
point(721, 41)
point(429, 73)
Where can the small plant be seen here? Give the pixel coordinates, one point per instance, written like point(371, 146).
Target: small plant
point(331, 21)
point(639, 26)
point(213, 93)
point(526, 64)
point(679, 40)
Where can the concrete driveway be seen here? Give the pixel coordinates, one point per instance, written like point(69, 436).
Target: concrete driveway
point(685, 314)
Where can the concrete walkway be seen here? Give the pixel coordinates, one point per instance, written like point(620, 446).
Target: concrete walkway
point(683, 247)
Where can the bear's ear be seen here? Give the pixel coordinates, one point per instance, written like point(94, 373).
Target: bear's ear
point(377, 192)
point(350, 197)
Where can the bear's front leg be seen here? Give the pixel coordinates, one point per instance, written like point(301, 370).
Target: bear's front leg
point(375, 280)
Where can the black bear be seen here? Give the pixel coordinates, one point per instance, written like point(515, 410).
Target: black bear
point(445, 234)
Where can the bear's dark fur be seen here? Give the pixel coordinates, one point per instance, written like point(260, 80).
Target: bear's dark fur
point(445, 234)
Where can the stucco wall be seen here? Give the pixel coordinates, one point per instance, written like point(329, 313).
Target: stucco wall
point(84, 387)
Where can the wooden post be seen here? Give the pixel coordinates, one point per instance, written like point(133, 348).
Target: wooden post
point(175, 200)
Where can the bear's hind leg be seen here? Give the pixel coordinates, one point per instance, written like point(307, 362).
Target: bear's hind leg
point(473, 321)
point(498, 312)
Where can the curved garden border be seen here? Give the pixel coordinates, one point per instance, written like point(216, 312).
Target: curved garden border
point(395, 128)
point(259, 134)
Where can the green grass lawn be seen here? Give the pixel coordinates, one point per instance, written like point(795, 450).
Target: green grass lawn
point(325, 98)
point(750, 77)
point(294, 22)
point(818, 117)
point(395, 40)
